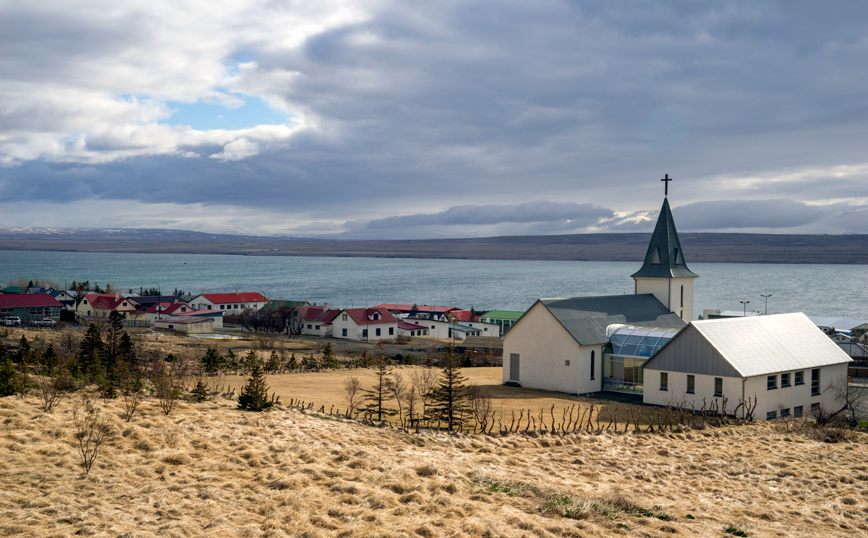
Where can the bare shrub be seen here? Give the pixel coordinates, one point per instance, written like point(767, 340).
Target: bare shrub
point(424, 380)
point(351, 394)
point(398, 390)
point(91, 431)
point(482, 407)
point(851, 398)
point(49, 392)
point(167, 390)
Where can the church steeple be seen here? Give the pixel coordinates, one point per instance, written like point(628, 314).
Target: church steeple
point(664, 258)
point(664, 273)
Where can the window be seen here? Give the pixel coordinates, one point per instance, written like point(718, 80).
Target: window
point(364, 333)
point(785, 381)
point(317, 327)
point(785, 412)
point(377, 331)
point(343, 332)
point(797, 411)
point(222, 307)
point(771, 415)
point(309, 326)
point(799, 378)
point(691, 384)
point(593, 366)
point(664, 381)
point(567, 363)
point(772, 382)
point(718, 386)
point(682, 296)
point(376, 316)
point(815, 381)
point(815, 406)
point(391, 331)
point(343, 317)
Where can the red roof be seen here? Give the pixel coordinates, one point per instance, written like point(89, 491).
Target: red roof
point(107, 301)
point(407, 308)
point(409, 326)
point(243, 297)
point(464, 315)
point(364, 316)
point(29, 299)
point(168, 308)
point(318, 314)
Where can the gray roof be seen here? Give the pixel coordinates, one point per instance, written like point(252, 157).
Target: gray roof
point(747, 347)
point(483, 342)
point(586, 318)
point(664, 258)
point(839, 324)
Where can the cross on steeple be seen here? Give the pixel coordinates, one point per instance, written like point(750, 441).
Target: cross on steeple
point(666, 181)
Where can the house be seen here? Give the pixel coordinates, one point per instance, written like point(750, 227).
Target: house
point(364, 324)
point(161, 310)
point(65, 297)
point(558, 343)
point(215, 315)
point(502, 318)
point(447, 326)
point(186, 324)
point(782, 360)
point(234, 303)
point(836, 324)
point(144, 302)
point(411, 309)
point(30, 306)
point(100, 305)
point(317, 320)
point(858, 333)
point(406, 328)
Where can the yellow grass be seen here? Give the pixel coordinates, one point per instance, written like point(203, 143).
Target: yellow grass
point(211, 470)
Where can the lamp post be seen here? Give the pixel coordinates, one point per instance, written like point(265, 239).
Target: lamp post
point(159, 298)
point(766, 297)
point(745, 303)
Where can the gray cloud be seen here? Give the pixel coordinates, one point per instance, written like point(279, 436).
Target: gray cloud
point(403, 108)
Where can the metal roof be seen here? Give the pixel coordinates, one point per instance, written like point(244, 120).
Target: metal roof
point(839, 324)
point(502, 314)
point(586, 318)
point(638, 341)
point(748, 347)
point(664, 258)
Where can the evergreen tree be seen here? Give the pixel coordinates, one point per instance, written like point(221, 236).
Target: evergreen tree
point(50, 361)
point(9, 379)
point(200, 393)
point(449, 398)
point(25, 352)
point(127, 352)
point(254, 395)
point(328, 356)
point(380, 393)
point(91, 352)
point(212, 361)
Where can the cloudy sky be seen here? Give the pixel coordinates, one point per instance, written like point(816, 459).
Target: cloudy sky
point(391, 118)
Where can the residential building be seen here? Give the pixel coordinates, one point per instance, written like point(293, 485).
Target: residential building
point(30, 306)
point(230, 303)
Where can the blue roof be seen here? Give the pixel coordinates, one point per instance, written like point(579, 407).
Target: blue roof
point(638, 341)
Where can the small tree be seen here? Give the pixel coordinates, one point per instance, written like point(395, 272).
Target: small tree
point(132, 390)
point(91, 431)
point(424, 380)
point(379, 394)
point(212, 361)
point(254, 394)
point(450, 397)
point(351, 394)
point(200, 393)
point(851, 398)
point(167, 390)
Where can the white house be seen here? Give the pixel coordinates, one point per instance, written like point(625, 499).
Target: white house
point(364, 324)
point(783, 360)
point(231, 303)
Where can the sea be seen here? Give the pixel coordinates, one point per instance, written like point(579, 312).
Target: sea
point(819, 290)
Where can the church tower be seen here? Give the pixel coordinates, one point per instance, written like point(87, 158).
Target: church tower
point(664, 273)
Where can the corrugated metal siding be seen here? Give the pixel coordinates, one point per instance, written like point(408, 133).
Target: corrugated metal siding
point(690, 352)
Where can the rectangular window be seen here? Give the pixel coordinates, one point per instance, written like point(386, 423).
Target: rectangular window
point(593, 365)
point(797, 411)
point(815, 381)
point(785, 380)
point(785, 413)
point(364, 333)
point(310, 326)
point(691, 384)
point(771, 415)
point(343, 332)
point(317, 327)
point(664, 381)
point(799, 378)
point(343, 317)
point(391, 331)
point(567, 362)
point(377, 332)
point(772, 382)
point(718, 386)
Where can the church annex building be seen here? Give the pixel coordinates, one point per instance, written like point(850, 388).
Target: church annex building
point(646, 344)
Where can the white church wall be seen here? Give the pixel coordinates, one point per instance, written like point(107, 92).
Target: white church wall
point(669, 292)
point(549, 358)
point(677, 393)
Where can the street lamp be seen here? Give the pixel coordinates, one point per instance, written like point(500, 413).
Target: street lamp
point(745, 303)
point(766, 297)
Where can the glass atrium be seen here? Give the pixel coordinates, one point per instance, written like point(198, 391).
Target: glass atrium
point(626, 352)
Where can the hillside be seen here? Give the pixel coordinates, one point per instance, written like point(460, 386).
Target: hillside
point(211, 470)
point(699, 247)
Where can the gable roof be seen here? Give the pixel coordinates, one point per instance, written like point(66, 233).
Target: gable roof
point(28, 299)
point(748, 347)
point(318, 314)
point(362, 316)
point(664, 258)
point(243, 297)
point(586, 318)
point(106, 301)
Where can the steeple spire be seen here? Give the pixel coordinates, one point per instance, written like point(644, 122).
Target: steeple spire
point(664, 258)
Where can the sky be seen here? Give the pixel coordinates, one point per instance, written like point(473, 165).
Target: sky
point(400, 119)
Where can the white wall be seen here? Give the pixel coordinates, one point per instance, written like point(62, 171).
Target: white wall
point(668, 292)
point(544, 346)
point(354, 331)
point(767, 400)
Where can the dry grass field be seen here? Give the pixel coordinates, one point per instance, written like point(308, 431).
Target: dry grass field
point(211, 470)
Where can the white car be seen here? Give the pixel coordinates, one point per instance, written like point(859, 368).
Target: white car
point(46, 322)
point(12, 321)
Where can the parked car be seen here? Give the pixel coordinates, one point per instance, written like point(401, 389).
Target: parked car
point(12, 321)
point(45, 322)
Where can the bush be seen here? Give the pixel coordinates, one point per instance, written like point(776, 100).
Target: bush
point(254, 394)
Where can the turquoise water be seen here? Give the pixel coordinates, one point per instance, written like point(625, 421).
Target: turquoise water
point(825, 290)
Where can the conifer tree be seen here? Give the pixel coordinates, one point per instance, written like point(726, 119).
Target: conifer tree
point(254, 394)
point(449, 398)
point(200, 393)
point(91, 352)
point(211, 361)
point(380, 393)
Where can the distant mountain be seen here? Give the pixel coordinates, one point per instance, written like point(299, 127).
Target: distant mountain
point(698, 247)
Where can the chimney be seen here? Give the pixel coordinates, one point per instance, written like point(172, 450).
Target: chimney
point(117, 296)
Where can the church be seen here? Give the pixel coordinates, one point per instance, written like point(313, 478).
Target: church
point(582, 345)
